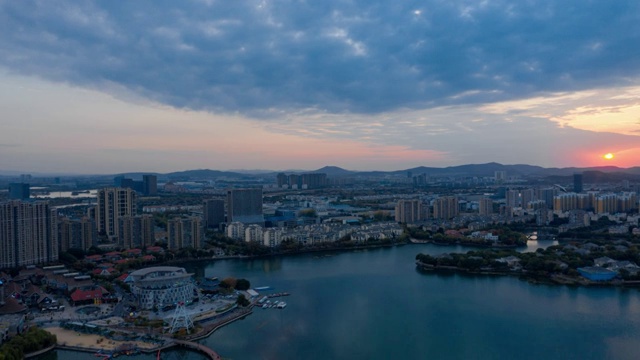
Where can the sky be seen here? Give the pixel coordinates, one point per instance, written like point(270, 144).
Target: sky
point(118, 86)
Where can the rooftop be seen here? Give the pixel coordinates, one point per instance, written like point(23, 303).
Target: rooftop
point(149, 270)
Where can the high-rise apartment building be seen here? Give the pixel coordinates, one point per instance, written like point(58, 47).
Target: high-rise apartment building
point(519, 197)
point(527, 196)
point(149, 185)
point(627, 201)
point(606, 204)
point(136, 231)
point(213, 213)
point(185, 232)
point(445, 207)
point(571, 201)
point(19, 191)
point(76, 233)
point(114, 203)
point(282, 180)
point(547, 196)
point(89, 232)
point(512, 198)
point(485, 206)
point(28, 233)
point(245, 206)
point(70, 233)
point(410, 211)
point(577, 183)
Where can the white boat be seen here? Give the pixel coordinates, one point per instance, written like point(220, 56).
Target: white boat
point(282, 304)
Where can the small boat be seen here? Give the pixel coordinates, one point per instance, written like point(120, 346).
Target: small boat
point(282, 304)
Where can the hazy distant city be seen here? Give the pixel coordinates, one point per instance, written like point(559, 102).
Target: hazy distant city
point(194, 209)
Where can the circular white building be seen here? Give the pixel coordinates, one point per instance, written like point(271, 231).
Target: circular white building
point(161, 286)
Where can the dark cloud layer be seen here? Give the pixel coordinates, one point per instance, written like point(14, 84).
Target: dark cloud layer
point(367, 56)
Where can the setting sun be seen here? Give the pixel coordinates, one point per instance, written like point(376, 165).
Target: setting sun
point(608, 156)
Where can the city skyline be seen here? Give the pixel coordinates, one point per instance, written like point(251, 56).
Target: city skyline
point(89, 87)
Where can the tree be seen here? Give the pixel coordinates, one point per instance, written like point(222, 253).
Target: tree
point(243, 284)
point(308, 213)
point(229, 283)
point(380, 215)
point(242, 300)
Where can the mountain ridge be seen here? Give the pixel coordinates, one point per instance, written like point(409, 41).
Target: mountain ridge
point(485, 169)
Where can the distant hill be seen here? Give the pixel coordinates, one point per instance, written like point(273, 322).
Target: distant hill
point(591, 174)
point(334, 171)
point(204, 174)
point(489, 169)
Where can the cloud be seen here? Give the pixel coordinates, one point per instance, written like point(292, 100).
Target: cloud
point(263, 58)
point(599, 110)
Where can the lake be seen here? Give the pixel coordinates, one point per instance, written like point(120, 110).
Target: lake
point(374, 304)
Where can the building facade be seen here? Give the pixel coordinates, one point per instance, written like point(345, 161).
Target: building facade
point(235, 230)
point(157, 287)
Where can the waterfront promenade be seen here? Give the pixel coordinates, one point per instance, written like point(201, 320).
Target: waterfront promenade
point(73, 340)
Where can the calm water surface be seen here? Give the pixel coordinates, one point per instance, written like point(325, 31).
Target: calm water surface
point(374, 304)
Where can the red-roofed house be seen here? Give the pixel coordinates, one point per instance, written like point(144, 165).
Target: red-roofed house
point(148, 258)
point(113, 255)
point(12, 306)
point(453, 233)
point(123, 277)
point(94, 258)
point(104, 272)
point(152, 249)
point(92, 295)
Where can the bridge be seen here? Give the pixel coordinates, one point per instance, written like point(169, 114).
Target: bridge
point(199, 347)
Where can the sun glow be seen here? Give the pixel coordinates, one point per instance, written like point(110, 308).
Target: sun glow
point(608, 156)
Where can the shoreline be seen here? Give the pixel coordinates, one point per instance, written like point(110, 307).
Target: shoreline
point(466, 244)
point(287, 253)
point(89, 342)
point(552, 280)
